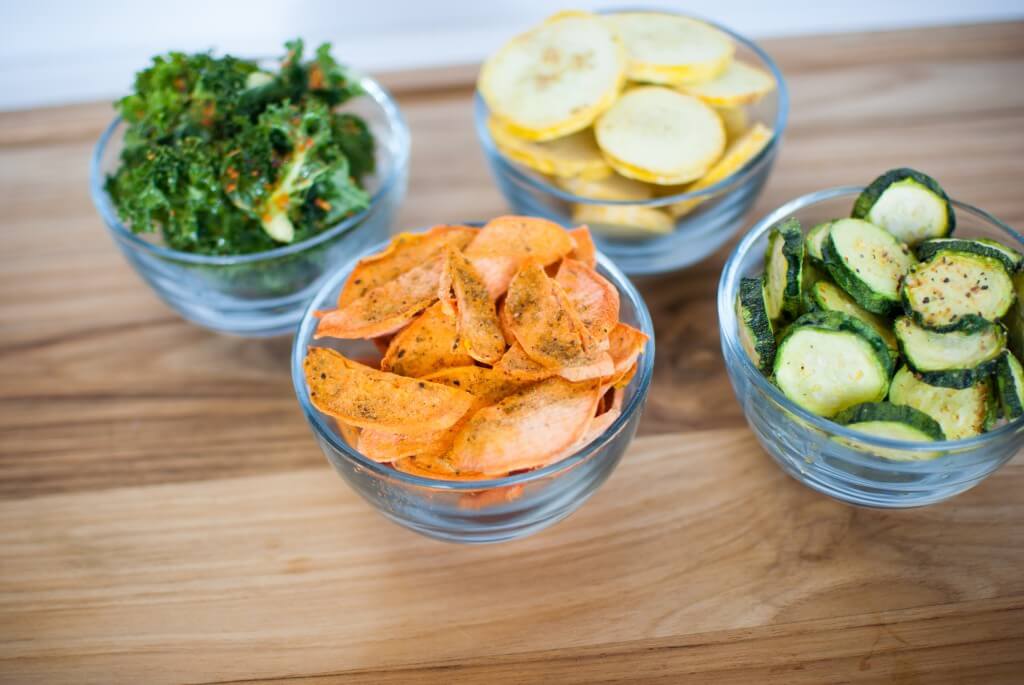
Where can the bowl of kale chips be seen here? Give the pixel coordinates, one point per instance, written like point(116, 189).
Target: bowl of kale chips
point(233, 185)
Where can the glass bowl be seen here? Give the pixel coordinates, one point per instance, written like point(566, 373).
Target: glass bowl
point(263, 293)
point(823, 455)
point(697, 234)
point(476, 511)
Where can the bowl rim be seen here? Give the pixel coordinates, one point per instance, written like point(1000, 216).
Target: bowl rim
point(729, 333)
point(399, 142)
point(511, 168)
point(318, 421)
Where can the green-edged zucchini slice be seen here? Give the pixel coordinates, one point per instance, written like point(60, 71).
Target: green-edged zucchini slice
point(894, 421)
point(957, 359)
point(962, 413)
point(868, 263)
point(910, 205)
point(756, 333)
point(1010, 379)
point(828, 361)
point(1014, 319)
point(783, 264)
point(829, 297)
point(813, 243)
point(957, 291)
point(1010, 258)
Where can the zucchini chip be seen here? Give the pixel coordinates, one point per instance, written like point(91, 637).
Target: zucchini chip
point(957, 359)
point(814, 241)
point(829, 297)
point(828, 361)
point(1010, 258)
point(893, 421)
point(868, 263)
point(670, 49)
point(957, 291)
point(961, 412)
point(910, 205)
point(756, 333)
point(783, 264)
point(1010, 379)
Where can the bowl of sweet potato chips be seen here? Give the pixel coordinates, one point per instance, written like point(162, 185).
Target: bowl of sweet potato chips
point(476, 383)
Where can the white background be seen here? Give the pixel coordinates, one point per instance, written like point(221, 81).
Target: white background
point(55, 51)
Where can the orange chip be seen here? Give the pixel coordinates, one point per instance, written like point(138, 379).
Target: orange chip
point(491, 497)
point(487, 385)
point(625, 345)
point(405, 252)
point(386, 308)
point(350, 434)
point(505, 243)
point(519, 365)
point(583, 248)
point(597, 426)
point(595, 299)
point(527, 428)
point(475, 311)
point(365, 397)
point(438, 468)
point(428, 344)
point(506, 331)
point(386, 446)
point(625, 379)
point(544, 322)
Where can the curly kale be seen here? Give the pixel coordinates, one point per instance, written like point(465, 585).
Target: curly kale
point(223, 158)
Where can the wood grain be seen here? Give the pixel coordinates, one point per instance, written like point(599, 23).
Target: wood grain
point(165, 515)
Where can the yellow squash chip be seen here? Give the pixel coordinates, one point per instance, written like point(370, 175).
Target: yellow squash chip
point(735, 120)
point(670, 49)
point(595, 299)
point(556, 78)
point(544, 321)
point(614, 187)
point(660, 136)
point(428, 344)
point(365, 397)
point(624, 221)
point(573, 155)
point(746, 148)
point(405, 252)
point(505, 243)
point(583, 248)
point(739, 84)
point(526, 429)
point(386, 308)
point(463, 289)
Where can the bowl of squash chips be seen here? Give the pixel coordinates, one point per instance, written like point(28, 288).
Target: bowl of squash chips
point(476, 384)
point(657, 130)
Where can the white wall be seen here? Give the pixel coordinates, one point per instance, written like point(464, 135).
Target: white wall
point(58, 51)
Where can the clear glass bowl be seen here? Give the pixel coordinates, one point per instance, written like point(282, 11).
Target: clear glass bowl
point(823, 455)
point(476, 511)
point(697, 234)
point(264, 293)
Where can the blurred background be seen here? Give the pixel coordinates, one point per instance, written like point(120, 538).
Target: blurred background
point(61, 51)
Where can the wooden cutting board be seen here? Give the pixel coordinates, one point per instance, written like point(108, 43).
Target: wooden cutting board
point(165, 515)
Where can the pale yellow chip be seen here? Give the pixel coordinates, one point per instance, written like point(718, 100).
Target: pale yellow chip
point(624, 221)
point(615, 187)
point(670, 49)
point(556, 78)
point(660, 136)
point(573, 155)
point(736, 121)
point(739, 84)
point(736, 156)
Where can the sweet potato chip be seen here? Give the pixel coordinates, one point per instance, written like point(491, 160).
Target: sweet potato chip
point(405, 252)
point(350, 434)
point(365, 397)
point(488, 386)
point(475, 311)
point(386, 308)
point(506, 331)
point(428, 344)
point(544, 322)
point(387, 446)
point(518, 365)
point(504, 244)
point(583, 248)
point(597, 426)
point(625, 345)
point(625, 379)
point(438, 468)
point(527, 428)
point(595, 299)
point(492, 497)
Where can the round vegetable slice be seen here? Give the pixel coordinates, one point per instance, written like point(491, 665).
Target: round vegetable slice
point(756, 334)
point(555, 79)
point(961, 412)
point(660, 136)
point(429, 343)
point(828, 361)
point(868, 263)
point(573, 155)
point(667, 48)
point(783, 262)
point(1010, 379)
point(827, 296)
point(735, 119)
point(957, 359)
point(957, 291)
point(814, 242)
point(623, 221)
point(897, 422)
point(739, 84)
point(910, 205)
point(1010, 258)
point(614, 187)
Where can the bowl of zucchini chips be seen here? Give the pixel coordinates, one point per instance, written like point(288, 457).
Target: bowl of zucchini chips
point(873, 336)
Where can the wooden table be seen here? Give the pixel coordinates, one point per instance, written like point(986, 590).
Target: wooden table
point(167, 517)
